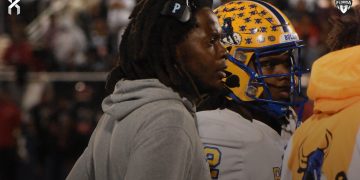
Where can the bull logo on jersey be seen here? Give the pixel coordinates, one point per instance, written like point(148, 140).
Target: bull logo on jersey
point(343, 5)
point(229, 37)
point(310, 164)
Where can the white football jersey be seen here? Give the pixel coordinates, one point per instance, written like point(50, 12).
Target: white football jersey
point(237, 148)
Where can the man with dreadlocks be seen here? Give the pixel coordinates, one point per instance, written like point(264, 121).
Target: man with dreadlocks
point(170, 56)
point(327, 145)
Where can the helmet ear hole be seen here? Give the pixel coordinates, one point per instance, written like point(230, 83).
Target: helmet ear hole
point(233, 81)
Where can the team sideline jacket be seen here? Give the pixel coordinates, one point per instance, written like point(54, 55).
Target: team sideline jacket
point(327, 145)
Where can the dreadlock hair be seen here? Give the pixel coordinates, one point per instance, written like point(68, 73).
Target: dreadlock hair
point(345, 30)
point(148, 47)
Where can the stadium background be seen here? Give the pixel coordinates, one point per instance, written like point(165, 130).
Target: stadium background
point(54, 57)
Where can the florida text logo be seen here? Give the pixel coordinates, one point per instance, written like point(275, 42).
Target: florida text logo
point(343, 5)
point(14, 3)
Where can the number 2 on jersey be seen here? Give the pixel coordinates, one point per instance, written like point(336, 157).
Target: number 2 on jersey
point(213, 155)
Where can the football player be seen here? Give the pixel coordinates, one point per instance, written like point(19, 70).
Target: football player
point(245, 136)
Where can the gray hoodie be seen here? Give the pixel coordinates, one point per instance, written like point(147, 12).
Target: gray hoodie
point(147, 132)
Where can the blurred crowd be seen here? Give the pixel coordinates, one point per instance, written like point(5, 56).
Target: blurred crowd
point(64, 35)
point(44, 140)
